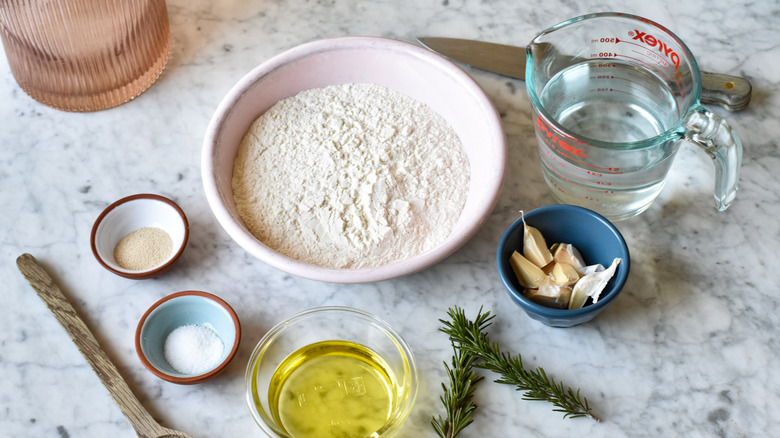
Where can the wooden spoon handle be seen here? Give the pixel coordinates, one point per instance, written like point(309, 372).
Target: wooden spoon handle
point(50, 293)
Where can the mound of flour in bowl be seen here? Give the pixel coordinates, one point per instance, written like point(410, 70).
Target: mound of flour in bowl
point(350, 176)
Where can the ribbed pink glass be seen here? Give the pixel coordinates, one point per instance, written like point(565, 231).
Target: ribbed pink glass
point(85, 55)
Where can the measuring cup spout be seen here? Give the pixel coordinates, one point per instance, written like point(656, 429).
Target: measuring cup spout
point(713, 134)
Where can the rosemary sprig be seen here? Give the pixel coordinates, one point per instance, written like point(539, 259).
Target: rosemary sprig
point(457, 400)
point(469, 337)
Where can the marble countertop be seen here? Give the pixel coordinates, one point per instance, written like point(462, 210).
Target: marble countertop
point(689, 349)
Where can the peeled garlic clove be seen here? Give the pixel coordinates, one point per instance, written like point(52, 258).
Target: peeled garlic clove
point(534, 246)
point(551, 295)
point(528, 274)
point(567, 253)
point(591, 285)
point(578, 298)
point(563, 273)
point(564, 295)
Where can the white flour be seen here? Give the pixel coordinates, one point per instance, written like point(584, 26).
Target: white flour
point(350, 176)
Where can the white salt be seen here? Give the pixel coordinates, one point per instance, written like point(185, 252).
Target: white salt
point(193, 349)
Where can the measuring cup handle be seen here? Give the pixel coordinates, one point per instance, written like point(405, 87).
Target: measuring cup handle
point(713, 134)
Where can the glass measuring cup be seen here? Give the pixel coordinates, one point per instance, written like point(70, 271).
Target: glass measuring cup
point(614, 95)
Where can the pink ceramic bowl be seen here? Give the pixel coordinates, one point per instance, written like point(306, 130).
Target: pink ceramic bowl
point(403, 67)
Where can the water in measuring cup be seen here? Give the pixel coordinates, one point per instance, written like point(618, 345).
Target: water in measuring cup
point(617, 103)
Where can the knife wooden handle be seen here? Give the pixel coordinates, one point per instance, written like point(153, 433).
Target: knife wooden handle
point(730, 92)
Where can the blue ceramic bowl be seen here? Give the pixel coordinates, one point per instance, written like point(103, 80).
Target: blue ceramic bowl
point(180, 309)
point(593, 235)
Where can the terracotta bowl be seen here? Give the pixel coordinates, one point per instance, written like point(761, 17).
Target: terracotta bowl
point(181, 309)
point(133, 213)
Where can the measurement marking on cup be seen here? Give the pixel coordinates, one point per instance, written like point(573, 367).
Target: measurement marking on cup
point(591, 174)
point(557, 144)
point(565, 153)
point(653, 42)
point(648, 42)
point(663, 73)
point(571, 180)
point(664, 55)
point(552, 139)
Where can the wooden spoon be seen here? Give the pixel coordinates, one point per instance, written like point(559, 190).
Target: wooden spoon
point(143, 423)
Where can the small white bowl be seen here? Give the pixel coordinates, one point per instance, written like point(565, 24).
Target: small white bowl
point(132, 213)
point(403, 67)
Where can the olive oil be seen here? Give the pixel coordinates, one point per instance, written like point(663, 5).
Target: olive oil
point(335, 389)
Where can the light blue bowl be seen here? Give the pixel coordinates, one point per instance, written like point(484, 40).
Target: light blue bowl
point(179, 309)
point(594, 236)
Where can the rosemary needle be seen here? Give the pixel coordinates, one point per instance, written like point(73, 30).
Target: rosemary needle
point(469, 337)
point(457, 399)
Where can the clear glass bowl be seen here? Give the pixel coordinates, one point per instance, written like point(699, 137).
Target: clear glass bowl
point(331, 324)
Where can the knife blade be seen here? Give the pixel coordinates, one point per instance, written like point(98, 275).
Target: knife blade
point(730, 92)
